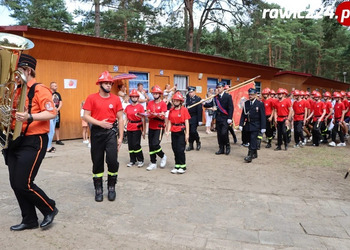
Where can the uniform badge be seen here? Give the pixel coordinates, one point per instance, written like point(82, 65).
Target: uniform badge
point(48, 106)
point(135, 109)
point(257, 109)
point(110, 106)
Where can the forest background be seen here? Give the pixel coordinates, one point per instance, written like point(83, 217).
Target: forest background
point(227, 28)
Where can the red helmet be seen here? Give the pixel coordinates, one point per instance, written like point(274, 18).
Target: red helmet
point(336, 94)
point(272, 92)
point(104, 77)
point(307, 93)
point(134, 93)
point(348, 94)
point(156, 89)
point(266, 91)
point(285, 91)
point(317, 94)
point(327, 94)
point(302, 92)
point(342, 93)
point(296, 93)
point(178, 96)
point(313, 92)
point(281, 91)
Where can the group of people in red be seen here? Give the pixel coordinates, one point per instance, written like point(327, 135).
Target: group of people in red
point(319, 116)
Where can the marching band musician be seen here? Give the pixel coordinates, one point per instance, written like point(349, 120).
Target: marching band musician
point(102, 109)
point(135, 128)
point(224, 115)
point(253, 119)
point(24, 158)
point(196, 117)
point(178, 124)
point(156, 110)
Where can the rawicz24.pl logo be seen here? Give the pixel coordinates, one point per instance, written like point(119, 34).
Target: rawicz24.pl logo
point(342, 13)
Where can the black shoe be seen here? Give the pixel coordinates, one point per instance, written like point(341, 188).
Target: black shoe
point(268, 145)
point(255, 154)
point(48, 219)
point(249, 157)
point(111, 193)
point(59, 143)
point(199, 145)
point(220, 152)
point(190, 147)
point(22, 226)
point(278, 148)
point(228, 150)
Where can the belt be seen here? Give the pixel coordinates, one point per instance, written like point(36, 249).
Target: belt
point(282, 116)
point(178, 124)
point(300, 114)
point(135, 121)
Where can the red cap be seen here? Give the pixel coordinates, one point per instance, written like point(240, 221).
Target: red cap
point(296, 93)
point(104, 77)
point(134, 93)
point(336, 94)
point(327, 94)
point(178, 96)
point(157, 89)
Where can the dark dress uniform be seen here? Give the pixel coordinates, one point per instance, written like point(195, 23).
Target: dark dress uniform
point(253, 120)
point(224, 113)
point(196, 117)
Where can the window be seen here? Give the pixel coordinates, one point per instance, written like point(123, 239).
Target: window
point(181, 83)
point(258, 87)
point(226, 81)
point(141, 78)
point(211, 83)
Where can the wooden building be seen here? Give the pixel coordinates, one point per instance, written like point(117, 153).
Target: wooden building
point(78, 60)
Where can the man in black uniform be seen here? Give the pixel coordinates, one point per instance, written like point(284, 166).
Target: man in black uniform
point(196, 118)
point(224, 115)
point(253, 120)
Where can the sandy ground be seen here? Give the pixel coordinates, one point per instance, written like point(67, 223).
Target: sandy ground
point(295, 199)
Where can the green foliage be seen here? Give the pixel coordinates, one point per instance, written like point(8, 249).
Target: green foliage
point(40, 13)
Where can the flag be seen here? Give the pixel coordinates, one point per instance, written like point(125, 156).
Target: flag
point(239, 96)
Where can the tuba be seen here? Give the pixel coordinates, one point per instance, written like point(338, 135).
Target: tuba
point(11, 47)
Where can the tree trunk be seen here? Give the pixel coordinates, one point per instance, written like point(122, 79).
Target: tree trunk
point(189, 7)
point(97, 18)
point(270, 54)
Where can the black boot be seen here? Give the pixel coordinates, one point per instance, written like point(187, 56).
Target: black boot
point(98, 189)
point(249, 157)
point(228, 149)
point(199, 145)
point(268, 144)
point(221, 150)
point(112, 180)
point(190, 147)
point(255, 154)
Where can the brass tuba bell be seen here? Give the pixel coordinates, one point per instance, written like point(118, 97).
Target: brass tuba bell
point(11, 47)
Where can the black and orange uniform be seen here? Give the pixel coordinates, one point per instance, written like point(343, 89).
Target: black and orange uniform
point(104, 140)
point(24, 158)
point(134, 131)
point(156, 127)
point(339, 107)
point(177, 117)
point(318, 123)
point(298, 120)
point(268, 104)
point(282, 110)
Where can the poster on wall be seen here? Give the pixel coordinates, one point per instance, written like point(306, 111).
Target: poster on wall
point(70, 83)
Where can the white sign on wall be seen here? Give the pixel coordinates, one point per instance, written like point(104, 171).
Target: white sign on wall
point(70, 83)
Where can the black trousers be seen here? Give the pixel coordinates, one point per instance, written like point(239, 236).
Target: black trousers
point(298, 131)
point(269, 128)
point(222, 132)
point(154, 144)
point(193, 133)
point(282, 135)
point(178, 144)
point(316, 132)
point(337, 129)
point(253, 137)
point(134, 143)
point(104, 141)
point(23, 163)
